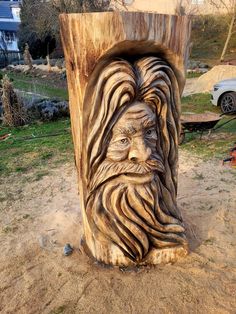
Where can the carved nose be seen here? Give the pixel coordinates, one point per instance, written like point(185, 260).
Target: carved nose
point(139, 152)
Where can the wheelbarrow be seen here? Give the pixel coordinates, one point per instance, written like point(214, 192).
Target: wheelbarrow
point(200, 123)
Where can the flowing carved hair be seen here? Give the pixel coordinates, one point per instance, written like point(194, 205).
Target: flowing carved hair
point(120, 83)
point(133, 218)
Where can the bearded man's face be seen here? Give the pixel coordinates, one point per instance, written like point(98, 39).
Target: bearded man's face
point(132, 152)
point(134, 140)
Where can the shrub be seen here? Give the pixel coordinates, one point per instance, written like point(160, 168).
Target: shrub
point(47, 110)
point(12, 105)
point(60, 63)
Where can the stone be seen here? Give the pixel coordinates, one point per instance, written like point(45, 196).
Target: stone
point(68, 249)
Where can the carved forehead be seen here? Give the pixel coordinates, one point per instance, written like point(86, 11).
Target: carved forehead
point(137, 117)
point(137, 111)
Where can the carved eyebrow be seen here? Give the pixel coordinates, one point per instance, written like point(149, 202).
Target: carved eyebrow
point(129, 130)
point(147, 123)
point(134, 116)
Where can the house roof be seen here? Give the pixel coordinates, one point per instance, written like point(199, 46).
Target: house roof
point(9, 26)
point(5, 10)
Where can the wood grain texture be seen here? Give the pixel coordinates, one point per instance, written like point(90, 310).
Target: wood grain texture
point(127, 69)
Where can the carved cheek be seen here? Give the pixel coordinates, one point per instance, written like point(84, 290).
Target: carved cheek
point(151, 141)
point(117, 152)
point(152, 144)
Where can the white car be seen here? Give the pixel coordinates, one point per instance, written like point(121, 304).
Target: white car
point(224, 95)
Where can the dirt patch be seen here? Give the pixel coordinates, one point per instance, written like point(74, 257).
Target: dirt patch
point(189, 86)
point(38, 217)
point(41, 67)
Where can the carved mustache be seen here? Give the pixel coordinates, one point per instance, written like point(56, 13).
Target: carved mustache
point(110, 169)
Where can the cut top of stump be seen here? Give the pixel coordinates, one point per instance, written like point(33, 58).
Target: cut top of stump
point(92, 37)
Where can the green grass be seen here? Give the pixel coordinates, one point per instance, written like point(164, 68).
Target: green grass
point(21, 155)
point(193, 75)
point(198, 103)
point(209, 148)
point(44, 87)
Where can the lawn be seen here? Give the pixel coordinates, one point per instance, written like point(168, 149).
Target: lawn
point(37, 85)
point(39, 146)
point(193, 75)
point(198, 103)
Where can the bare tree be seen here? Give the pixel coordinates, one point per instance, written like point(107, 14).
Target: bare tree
point(73, 6)
point(186, 7)
point(40, 23)
point(230, 7)
point(118, 4)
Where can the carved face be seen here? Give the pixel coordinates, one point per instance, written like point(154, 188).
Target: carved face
point(132, 155)
point(134, 139)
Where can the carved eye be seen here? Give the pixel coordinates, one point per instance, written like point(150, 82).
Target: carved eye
point(124, 141)
point(150, 132)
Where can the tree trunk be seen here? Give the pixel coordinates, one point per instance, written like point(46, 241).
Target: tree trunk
point(230, 32)
point(121, 67)
point(48, 63)
point(48, 59)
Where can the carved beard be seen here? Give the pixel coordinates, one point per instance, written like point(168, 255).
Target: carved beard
point(134, 217)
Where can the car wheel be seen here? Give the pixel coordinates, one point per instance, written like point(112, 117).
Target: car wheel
point(228, 102)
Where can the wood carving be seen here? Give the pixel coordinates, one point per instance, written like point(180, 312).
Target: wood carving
point(125, 78)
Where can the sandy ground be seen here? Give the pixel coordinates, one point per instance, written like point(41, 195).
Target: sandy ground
point(205, 83)
point(189, 87)
point(42, 67)
point(38, 217)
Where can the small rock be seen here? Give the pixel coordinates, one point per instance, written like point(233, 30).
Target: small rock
point(43, 241)
point(68, 249)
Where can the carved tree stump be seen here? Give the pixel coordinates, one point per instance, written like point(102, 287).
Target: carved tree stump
point(125, 74)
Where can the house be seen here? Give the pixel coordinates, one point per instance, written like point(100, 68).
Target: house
point(9, 24)
point(173, 6)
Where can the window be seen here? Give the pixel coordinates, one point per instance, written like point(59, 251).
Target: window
point(9, 36)
point(17, 14)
